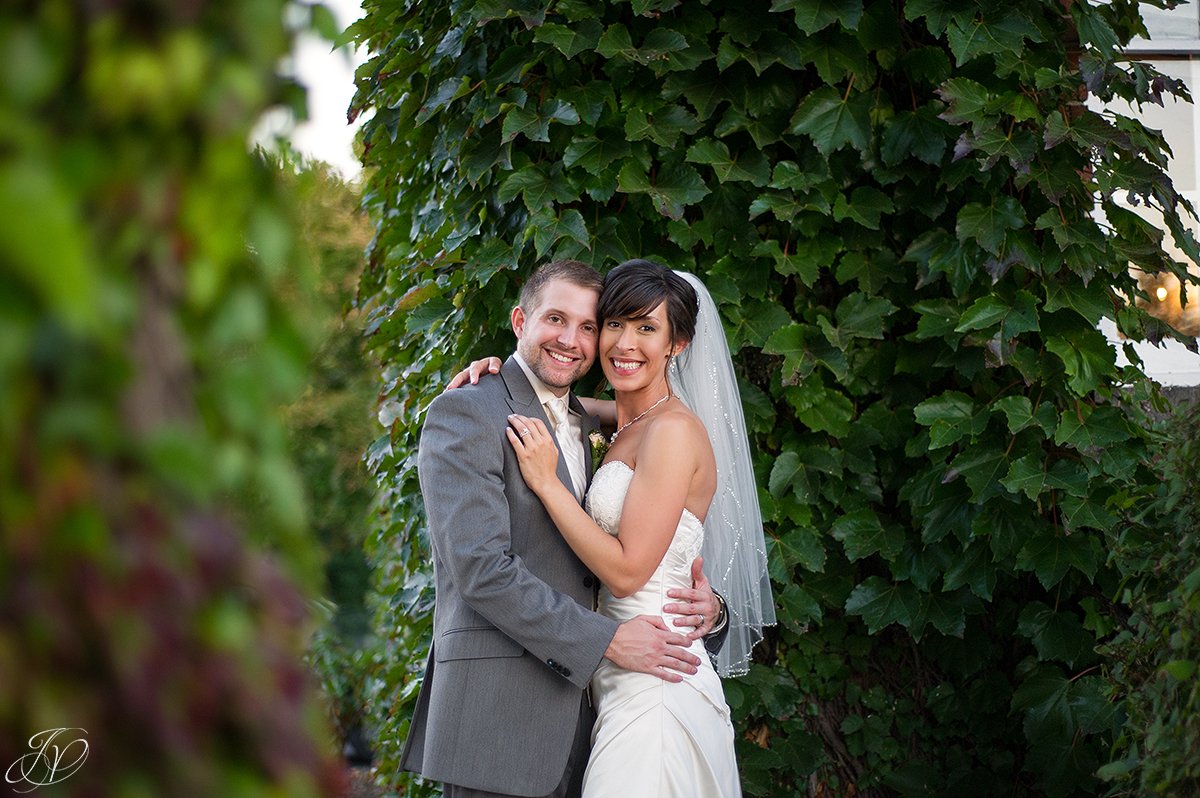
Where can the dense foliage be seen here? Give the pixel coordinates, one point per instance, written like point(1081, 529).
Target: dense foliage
point(144, 473)
point(1156, 653)
point(330, 424)
point(913, 221)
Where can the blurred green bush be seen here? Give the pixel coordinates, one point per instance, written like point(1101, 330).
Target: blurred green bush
point(152, 521)
point(1156, 650)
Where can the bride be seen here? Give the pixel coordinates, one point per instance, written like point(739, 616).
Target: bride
point(675, 483)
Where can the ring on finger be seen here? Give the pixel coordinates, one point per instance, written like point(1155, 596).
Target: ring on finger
point(524, 432)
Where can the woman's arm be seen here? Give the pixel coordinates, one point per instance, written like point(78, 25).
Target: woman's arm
point(652, 509)
point(471, 374)
point(603, 409)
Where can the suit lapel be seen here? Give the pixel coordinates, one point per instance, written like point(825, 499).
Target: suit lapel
point(524, 401)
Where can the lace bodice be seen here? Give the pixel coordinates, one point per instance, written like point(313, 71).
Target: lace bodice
point(605, 501)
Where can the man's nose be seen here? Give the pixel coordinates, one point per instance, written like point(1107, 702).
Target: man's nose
point(567, 336)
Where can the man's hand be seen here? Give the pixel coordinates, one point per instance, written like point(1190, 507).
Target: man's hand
point(645, 644)
point(696, 607)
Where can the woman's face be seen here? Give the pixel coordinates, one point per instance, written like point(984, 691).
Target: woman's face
point(634, 351)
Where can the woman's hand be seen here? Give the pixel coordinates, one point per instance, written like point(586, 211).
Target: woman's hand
point(537, 454)
point(471, 374)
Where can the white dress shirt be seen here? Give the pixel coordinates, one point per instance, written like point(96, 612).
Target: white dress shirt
point(568, 433)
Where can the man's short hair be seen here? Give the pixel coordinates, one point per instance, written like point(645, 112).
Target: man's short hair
point(573, 271)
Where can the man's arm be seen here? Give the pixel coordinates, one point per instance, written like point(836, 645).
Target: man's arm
point(461, 469)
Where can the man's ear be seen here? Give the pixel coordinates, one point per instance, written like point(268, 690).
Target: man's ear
point(517, 318)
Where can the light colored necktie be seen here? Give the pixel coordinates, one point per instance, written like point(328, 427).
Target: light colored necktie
point(568, 442)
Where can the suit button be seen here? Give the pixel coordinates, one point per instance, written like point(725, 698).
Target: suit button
point(553, 664)
point(589, 581)
point(565, 672)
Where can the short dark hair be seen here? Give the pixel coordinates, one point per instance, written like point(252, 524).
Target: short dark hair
point(573, 271)
point(636, 287)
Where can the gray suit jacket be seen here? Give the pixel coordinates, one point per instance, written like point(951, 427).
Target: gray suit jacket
point(515, 639)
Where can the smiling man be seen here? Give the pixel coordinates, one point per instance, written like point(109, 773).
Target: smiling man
point(503, 708)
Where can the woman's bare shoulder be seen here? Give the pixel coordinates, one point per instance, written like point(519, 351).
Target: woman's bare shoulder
point(675, 427)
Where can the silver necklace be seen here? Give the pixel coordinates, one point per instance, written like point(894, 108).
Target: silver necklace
point(638, 417)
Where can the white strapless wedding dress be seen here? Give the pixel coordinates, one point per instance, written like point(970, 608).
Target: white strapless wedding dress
point(654, 738)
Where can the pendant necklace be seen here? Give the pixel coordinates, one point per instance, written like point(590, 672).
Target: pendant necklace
point(638, 417)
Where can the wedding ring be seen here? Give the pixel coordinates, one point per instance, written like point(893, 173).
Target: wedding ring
point(524, 432)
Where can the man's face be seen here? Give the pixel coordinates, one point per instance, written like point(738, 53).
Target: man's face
point(557, 337)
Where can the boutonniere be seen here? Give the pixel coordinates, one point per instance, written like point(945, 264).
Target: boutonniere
point(599, 448)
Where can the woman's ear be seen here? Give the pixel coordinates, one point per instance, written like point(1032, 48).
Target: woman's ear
point(679, 347)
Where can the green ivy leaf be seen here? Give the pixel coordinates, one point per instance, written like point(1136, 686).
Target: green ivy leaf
point(548, 229)
point(798, 608)
point(976, 36)
point(865, 206)
point(446, 92)
point(1078, 512)
point(784, 473)
point(1090, 430)
point(1087, 357)
point(814, 15)
point(804, 262)
point(975, 568)
point(535, 123)
point(1026, 475)
point(862, 535)
point(946, 611)
point(663, 126)
point(950, 417)
point(833, 121)
point(881, 603)
point(991, 310)
point(821, 409)
point(938, 319)
point(675, 187)
point(1092, 302)
point(570, 40)
point(799, 546)
point(1050, 555)
point(753, 168)
point(537, 188)
point(595, 154)
point(1055, 635)
point(989, 224)
point(861, 316)
point(755, 323)
point(616, 42)
point(966, 99)
point(982, 466)
point(1020, 415)
point(917, 133)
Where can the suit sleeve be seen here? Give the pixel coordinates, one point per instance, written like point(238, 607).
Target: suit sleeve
point(461, 469)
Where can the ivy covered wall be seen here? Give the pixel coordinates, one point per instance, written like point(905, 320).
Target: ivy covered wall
point(905, 213)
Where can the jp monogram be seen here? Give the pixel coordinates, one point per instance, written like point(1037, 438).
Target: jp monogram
point(56, 754)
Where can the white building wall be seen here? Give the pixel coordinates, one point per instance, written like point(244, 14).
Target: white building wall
point(1174, 50)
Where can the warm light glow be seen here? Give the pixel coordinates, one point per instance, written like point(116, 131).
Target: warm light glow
point(1161, 293)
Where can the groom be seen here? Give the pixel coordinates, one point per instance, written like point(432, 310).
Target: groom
point(503, 708)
